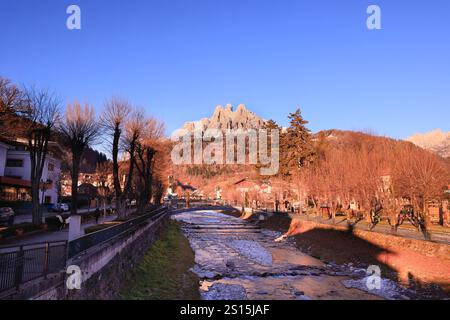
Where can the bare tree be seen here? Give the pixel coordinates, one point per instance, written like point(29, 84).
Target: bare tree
point(10, 101)
point(79, 130)
point(41, 112)
point(420, 175)
point(102, 171)
point(134, 128)
point(114, 118)
point(146, 149)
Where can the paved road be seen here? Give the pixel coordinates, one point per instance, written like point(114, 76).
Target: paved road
point(27, 217)
point(50, 235)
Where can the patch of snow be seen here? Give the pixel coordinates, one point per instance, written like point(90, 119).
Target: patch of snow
point(222, 291)
point(388, 289)
point(282, 238)
point(253, 251)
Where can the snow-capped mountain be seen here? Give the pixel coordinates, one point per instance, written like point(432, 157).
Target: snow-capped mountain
point(436, 141)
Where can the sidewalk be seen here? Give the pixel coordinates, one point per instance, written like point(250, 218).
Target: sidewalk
point(18, 219)
point(44, 236)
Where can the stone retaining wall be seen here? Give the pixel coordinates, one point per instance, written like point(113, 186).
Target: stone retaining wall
point(104, 268)
point(425, 261)
point(428, 248)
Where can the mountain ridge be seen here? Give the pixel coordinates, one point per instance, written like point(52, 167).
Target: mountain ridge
point(436, 140)
point(226, 118)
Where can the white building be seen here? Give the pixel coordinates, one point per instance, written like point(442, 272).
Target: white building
point(3, 151)
point(15, 174)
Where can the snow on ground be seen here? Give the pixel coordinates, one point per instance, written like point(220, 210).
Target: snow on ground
point(222, 291)
point(252, 250)
point(388, 288)
point(234, 264)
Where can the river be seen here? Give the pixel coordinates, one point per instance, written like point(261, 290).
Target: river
point(236, 259)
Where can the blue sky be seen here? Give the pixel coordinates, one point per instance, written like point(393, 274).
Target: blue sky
point(179, 59)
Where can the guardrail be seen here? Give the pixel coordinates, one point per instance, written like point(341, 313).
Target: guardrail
point(20, 264)
point(85, 242)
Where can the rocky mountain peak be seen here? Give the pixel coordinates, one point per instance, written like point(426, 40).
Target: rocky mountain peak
point(227, 119)
point(436, 141)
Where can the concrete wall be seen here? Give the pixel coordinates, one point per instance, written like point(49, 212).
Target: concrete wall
point(104, 268)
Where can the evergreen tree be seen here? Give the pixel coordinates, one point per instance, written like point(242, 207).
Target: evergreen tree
point(269, 125)
point(296, 145)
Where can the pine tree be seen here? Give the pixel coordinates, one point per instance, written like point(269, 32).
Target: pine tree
point(296, 145)
point(269, 125)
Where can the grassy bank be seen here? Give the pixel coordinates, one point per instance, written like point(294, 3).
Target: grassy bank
point(163, 273)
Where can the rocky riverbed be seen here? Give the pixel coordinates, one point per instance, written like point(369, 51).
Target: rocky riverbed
point(238, 260)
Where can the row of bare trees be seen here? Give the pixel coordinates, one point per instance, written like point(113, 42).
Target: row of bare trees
point(128, 131)
point(36, 115)
point(336, 167)
point(360, 167)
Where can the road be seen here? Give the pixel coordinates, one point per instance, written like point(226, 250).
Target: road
point(45, 236)
point(236, 259)
point(27, 217)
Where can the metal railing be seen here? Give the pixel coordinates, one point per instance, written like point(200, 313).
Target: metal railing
point(85, 242)
point(20, 264)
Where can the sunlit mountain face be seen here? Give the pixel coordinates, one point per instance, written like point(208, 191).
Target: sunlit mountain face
point(437, 141)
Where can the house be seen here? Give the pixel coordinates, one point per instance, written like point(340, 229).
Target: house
point(247, 185)
point(95, 179)
point(15, 172)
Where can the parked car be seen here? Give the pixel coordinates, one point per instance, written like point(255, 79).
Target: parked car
point(59, 207)
point(6, 216)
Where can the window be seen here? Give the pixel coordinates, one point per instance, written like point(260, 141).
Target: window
point(8, 193)
point(14, 163)
point(14, 194)
point(51, 167)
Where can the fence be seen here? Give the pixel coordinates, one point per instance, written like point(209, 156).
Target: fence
point(20, 264)
point(84, 243)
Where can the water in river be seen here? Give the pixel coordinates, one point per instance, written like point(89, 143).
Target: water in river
point(237, 260)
